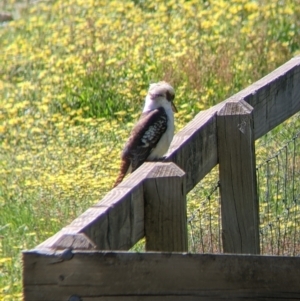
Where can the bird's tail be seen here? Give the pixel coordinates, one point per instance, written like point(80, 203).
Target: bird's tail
point(125, 164)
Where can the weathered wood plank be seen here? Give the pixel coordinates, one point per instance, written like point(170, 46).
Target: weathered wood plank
point(239, 201)
point(275, 97)
point(194, 148)
point(115, 223)
point(98, 275)
point(74, 241)
point(165, 208)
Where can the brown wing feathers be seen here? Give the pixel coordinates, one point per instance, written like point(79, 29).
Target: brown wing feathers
point(144, 137)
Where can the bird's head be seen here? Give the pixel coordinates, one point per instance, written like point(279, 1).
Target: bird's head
point(160, 94)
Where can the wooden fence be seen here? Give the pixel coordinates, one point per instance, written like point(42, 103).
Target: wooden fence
point(85, 261)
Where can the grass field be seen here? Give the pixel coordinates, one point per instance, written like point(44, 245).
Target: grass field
point(73, 76)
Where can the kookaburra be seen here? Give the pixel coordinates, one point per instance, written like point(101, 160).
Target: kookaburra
point(152, 135)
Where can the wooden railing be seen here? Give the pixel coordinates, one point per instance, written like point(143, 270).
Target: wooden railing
point(151, 203)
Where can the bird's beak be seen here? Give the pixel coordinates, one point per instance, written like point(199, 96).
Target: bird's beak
point(173, 107)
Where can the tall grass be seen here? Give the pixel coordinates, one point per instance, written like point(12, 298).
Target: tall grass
point(73, 76)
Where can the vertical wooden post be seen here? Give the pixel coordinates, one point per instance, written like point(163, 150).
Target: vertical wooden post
point(239, 201)
point(165, 208)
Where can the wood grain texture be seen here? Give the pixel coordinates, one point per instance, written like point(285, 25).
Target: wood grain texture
point(117, 221)
point(165, 208)
point(239, 201)
point(96, 275)
point(194, 148)
point(275, 97)
point(114, 223)
point(73, 241)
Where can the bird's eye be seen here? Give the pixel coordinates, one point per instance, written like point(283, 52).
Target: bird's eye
point(170, 96)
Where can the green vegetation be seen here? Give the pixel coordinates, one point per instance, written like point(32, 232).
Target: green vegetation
point(73, 76)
